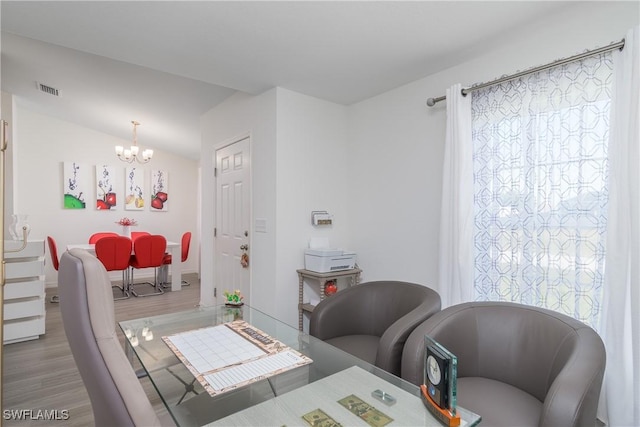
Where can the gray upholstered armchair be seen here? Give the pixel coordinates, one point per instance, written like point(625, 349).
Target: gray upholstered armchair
point(86, 304)
point(517, 364)
point(372, 320)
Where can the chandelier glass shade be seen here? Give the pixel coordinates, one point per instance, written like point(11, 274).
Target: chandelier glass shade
point(132, 153)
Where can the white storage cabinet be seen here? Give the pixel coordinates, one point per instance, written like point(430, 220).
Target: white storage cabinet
point(24, 295)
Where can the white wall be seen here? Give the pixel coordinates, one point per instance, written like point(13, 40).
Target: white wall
point(311, 175)
point(44, 143)
point(396, 142)
point(395, 154)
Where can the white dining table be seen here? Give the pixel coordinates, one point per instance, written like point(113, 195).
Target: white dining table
point(176, 260)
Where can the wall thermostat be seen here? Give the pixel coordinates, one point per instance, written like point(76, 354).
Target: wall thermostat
point(321, 218)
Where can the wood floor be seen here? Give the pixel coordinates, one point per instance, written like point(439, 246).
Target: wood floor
point(42, 375)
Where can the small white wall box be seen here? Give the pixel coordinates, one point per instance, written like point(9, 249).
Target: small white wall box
point(328, 260)
point(321, 218)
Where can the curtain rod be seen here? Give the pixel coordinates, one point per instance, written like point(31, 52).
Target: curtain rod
point(619, 45)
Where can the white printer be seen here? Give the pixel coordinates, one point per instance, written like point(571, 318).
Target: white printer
point(322, 259)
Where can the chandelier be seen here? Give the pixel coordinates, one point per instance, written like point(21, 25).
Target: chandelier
point(130, 154)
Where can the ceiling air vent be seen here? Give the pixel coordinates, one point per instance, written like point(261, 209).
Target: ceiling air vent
point(48, 89)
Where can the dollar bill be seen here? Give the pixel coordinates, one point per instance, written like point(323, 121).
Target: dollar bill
point(319, 418)
point(366, 412)
point(375, 418)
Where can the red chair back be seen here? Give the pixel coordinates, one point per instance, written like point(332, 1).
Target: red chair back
point(136, 234)
point(53, 251)
point(97, 236)
point(148, 251)
point(114, 252)
point(186, 241)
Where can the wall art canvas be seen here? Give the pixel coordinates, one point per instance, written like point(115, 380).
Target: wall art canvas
point(74, 185)
point(105, 188)
point(159, 191)
point(134, 189)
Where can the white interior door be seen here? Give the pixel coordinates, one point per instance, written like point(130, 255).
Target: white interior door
point(233, 213)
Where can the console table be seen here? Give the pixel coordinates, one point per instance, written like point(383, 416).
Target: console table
point(353, 275)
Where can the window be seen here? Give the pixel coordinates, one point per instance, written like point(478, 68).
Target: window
point(540, 188)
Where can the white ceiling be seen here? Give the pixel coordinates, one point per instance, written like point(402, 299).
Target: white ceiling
point(164, 63)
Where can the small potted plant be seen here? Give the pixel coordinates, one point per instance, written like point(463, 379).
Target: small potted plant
point(233, 298)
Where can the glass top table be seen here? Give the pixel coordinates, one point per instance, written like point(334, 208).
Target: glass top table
point(288, 398)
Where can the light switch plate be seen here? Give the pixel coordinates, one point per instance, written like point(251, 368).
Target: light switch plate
point(260, 225)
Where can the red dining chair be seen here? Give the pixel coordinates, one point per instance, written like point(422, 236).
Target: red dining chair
point(97, 236)
point(136, 234)
point(115, 253)
point(148, 251)
point(184, 245)
point(53, 251)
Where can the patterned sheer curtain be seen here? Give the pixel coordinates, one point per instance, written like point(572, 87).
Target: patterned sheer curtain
point(540, 188)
